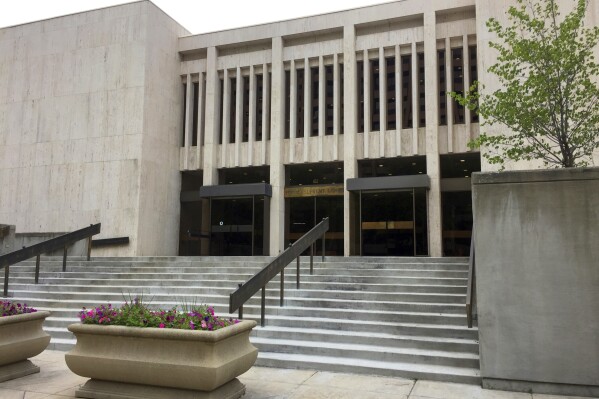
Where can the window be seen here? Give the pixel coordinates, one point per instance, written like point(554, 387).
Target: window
point(442, 88)
point(406, 91)
point(457, 73)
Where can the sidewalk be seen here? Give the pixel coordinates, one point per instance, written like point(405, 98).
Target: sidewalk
point(56, 381)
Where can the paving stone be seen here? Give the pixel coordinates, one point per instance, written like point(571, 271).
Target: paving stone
point(288, 376)
point(443, 390)
point(324, 392)
point(398, 386)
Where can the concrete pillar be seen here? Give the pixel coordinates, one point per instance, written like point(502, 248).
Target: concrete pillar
point(336, 107)
point(238, 114)
point(432, 144)
point(211, 135)
point(201, 114)
point(321, 106)
point(350, 82)
point(265, 110)
point(212, 130)
point(226, 124)
point(188, 119)
point(307, 106)
point(398, 101)
point(277, 169)
point(366, 105)
point(382, 101)
point(466, 73)
point(292, 110)
point(448, 89)
point(252, 119)
point(415, 106)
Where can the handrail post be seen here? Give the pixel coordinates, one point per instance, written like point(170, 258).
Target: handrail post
point(263, 308)
point(6, 271)
point(312, 259)
point(89, 248)
point(323, 245)
point(297, 283)
point(282, 286)
point(64, 259)
point(241, 312)
point(37, 269)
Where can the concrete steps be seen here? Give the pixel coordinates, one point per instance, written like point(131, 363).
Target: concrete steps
point(387, 316)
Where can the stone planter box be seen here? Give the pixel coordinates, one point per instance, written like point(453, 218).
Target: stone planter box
point(21, 337)
point(537, 280)
point(132, 362)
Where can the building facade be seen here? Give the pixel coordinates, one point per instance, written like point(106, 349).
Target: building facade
point(238, 142)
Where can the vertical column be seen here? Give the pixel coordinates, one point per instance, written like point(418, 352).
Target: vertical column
point(201, 106)
point(292, 110)
point(415, 105)
point(252, 118)
point(226, 118)
point(366, 104)
point(350, 89)
point(212, 130)
point(321, 106)
point(448, 89)
point(466, 73)
point(277, 169)
point(265, 109)
point(238, 115)
point(382, 101)
point(188, 119)
point(307, 107)
point(188, 110)
point(432, 143)
point(336, 108)
point(398, 101)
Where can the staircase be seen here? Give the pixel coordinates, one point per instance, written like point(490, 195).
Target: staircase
point(386, 316)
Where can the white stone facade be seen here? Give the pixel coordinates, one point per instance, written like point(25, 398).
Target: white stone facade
point(95, 125)
point(87, 102)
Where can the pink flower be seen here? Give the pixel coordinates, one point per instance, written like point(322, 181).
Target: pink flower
point(161, 325)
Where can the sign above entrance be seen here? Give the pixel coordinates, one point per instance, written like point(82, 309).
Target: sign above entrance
point(333, 190)
point(388, 183)
point(236, 190)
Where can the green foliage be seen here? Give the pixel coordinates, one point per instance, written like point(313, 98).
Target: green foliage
point(549, 95)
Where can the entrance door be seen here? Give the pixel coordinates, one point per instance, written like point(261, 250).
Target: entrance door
point(393, 223)
point(307, 212)
point(237, 226)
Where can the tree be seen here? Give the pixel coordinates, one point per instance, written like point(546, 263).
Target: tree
point(549, 97)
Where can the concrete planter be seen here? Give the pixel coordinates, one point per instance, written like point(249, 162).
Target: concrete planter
point(537, 277)
point(21, 337)
point(131, 362)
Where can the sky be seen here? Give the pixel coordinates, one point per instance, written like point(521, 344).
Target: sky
point(198, 16)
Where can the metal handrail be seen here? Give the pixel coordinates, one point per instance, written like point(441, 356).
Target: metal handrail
point(51, 245)
point(471, 279)
point(260, 279)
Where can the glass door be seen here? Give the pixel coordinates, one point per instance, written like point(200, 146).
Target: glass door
point(307, 212)
point(393, 223)
point(237, 226)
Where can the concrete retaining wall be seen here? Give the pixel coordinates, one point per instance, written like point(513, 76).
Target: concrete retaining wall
point(7, 238)
point(537, 275)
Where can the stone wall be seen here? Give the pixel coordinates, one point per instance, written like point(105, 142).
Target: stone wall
point(74, 102)
point(537, 276)
point(7, 238)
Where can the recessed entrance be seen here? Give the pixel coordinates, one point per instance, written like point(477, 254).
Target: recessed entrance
point(393, 223)
point(237, 226)
point(305, 213)
point(314, 192)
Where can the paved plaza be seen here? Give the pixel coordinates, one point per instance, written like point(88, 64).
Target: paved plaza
point(56, 381)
